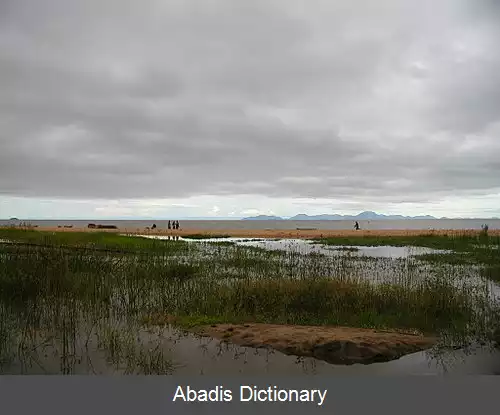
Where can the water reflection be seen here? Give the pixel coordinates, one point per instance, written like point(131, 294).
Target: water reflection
point(378, 264)
point(187, 354)
point(304, 246)
point(209, 356)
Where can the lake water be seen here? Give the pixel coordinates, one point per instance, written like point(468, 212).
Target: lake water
point(221, 225)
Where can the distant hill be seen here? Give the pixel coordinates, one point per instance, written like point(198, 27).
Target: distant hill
point(367, 215)
point(303, 216)
point(263, 217)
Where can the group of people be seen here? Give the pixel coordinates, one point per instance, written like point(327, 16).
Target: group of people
point(173, 225)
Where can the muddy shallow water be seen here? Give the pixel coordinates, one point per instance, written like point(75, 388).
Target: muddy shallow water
point(217, 358)
point(189, 354)
point(386, 267)
point(305, 246)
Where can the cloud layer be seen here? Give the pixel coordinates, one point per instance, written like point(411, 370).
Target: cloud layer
point(370, 102)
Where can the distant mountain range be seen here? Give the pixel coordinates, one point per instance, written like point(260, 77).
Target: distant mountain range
point(368, 215)
point(263, 217)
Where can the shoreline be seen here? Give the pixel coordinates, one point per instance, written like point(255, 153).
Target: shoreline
point(274, 233)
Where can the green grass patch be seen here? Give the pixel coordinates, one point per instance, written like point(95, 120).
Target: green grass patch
point(454, 258)
point(431, 308)
point(463, 242)
point(90, 240)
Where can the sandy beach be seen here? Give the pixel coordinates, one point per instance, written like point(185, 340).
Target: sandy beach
point(274, 233)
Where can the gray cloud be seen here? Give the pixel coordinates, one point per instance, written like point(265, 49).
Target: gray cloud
point(122, 99)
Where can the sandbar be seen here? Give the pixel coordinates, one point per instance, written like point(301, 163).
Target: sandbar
point(335, 345)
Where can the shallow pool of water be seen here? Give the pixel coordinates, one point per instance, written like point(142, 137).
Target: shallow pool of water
point(384, 251)
point(193, 355)
point(304, 246)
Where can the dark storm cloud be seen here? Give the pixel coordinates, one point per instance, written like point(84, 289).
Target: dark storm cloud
point(127, 99)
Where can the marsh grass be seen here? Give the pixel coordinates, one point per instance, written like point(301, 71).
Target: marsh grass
point(92, 240)
point(347, 249)
point(429, 308)
point(52, 293)
point(466, 249)
point(456, 242)
point(126, 352)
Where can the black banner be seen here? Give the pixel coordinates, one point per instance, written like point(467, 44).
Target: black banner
point(126, 395)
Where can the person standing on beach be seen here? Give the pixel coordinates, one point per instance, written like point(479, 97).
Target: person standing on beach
point(177, 225)
point(168, 225)
point(356, 226)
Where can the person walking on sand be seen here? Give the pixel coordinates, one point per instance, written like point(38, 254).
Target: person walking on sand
point(168, 225)
point(356, 226)
point(177, 225)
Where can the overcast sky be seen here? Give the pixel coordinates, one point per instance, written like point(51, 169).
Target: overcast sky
point(175, 108)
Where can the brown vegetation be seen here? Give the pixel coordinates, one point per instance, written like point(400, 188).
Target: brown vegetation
point(336, 345)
